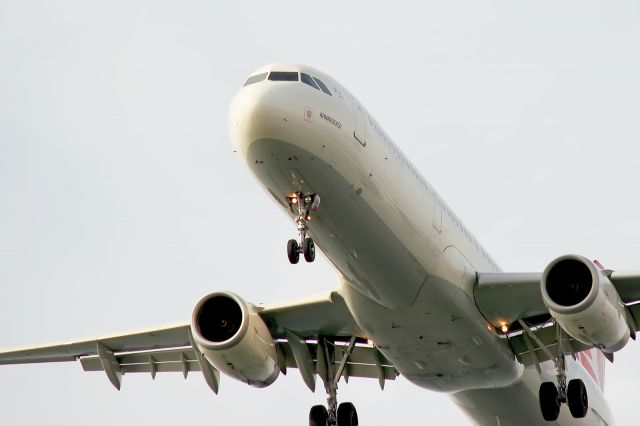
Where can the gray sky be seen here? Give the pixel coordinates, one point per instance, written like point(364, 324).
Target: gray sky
point(122, 202)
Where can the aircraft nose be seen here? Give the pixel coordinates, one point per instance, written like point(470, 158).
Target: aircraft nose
point(256, 112)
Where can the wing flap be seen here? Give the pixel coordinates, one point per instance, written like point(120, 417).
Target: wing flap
point(366, 355)
point(529, 353)
point(370, 371)
point(173, 364)
point(364, 360)
point(171, 336)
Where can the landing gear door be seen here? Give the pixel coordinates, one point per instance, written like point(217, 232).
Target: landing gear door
point(360, 132)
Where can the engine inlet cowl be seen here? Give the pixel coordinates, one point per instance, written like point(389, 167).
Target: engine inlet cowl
point(234, 339)
point(568, 282)
point(218, 318)
point(584, 302)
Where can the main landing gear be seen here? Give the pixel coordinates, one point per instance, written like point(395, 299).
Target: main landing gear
point(302, 205)
point(574, 394)
point(346, 415)
point(333, 414)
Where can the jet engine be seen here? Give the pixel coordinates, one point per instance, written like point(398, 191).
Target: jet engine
point(234, 339)
point(585, 303)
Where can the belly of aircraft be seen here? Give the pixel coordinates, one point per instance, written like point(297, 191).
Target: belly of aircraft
point(420, 321)
point(345, 228)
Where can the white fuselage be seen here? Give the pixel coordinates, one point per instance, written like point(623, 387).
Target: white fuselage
point(407, 265)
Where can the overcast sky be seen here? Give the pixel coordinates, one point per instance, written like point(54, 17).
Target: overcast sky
point(122, 202)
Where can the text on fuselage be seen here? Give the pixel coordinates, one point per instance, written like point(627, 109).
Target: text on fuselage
point(331, 120)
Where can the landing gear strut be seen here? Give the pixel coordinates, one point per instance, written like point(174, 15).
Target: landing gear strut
point(574, 394)
point(344, 414)
point(302, 205)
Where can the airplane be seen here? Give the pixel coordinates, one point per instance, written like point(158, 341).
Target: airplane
point(418, 296)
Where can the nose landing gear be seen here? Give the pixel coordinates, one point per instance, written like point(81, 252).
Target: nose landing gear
point(302, 205)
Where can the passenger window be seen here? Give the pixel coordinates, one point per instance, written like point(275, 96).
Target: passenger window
point(283, 76)
point(324, 88)
point(306, 78)
point(255, 79)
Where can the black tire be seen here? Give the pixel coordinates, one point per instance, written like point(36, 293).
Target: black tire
point(577, 398)
point(318, 416)
point(309, 250)
point(549, 404)
point(293, 251)
point(347, 414)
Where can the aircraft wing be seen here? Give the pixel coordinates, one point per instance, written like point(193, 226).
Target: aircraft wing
point(512, 299)
point(315, 322)
point(323, 315)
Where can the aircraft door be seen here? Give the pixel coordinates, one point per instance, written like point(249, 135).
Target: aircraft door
point(360, 131)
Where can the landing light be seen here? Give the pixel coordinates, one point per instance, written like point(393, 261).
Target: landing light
point(308, 217)
point(294, 200)
point(504, 327)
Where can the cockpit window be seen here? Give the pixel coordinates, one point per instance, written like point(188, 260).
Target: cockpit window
point(283, 76)
point(306, 78)
point(324, 88)
point(255, 78)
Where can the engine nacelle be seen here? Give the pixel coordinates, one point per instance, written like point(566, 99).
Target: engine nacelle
point(234, 339)
point(585, 303)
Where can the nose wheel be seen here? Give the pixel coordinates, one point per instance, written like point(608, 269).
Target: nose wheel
point(302, 205)
point(293, 251)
